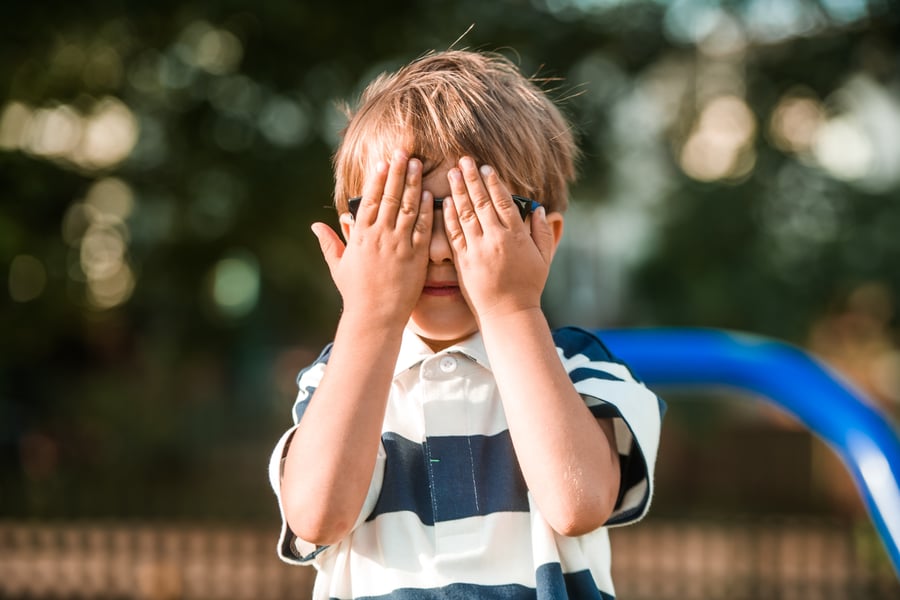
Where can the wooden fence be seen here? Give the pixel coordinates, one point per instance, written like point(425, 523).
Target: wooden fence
point(771, 559)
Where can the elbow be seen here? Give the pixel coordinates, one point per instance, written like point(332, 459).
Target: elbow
point(582, 513)
point(315, 523)
point(579, 521)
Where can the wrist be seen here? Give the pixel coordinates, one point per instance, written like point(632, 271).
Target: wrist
point(508, 318)
point(371, 319)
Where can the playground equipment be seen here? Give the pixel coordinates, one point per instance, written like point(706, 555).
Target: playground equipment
point(791, 379)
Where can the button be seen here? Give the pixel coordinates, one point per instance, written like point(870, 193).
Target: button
point(448, 364)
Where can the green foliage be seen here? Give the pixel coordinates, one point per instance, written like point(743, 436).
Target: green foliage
point(152, 330)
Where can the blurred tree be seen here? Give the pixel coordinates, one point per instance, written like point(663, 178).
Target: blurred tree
point(160, 164)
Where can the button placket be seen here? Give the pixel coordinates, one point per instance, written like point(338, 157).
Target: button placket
point(443, 402)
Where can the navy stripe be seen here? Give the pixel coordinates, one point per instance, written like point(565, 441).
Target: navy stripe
point(475, 475)
point(459, 591)
point(300, 407)
point(405, 485)
point(451, 477)
point(575, 340)
point(552, 584)
point(323, 357)
point(582, 373)
point(604, 411)
point(632, 466)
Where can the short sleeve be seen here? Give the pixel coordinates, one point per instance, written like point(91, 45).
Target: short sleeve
point(291, 548)
point(611, 390)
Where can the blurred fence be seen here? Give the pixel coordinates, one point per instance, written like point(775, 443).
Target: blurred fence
point(767, 559)
point(752, 559)
point(146, 562)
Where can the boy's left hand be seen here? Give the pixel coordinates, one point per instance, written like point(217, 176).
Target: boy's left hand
point(502, 263)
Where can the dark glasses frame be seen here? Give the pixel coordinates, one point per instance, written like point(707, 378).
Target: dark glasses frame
point(525, 205)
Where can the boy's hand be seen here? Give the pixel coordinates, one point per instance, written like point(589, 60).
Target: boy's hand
point(502, 263)
point(380, 272)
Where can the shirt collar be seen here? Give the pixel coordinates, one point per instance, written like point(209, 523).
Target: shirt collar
point(413, 351)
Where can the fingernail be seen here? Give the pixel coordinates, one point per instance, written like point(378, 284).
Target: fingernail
point(467, 162)
point(380, 166)
point(486, 170)
point(454, 175)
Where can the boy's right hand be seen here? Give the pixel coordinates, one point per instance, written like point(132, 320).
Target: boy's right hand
point(380, 271)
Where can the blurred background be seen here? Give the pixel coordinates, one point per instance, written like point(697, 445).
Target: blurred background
point(160, 165)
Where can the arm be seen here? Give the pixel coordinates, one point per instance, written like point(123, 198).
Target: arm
point(331, 457)
point(568, 458)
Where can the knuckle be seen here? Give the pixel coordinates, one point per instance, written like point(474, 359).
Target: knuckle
point(455, 236)
point(407, 210)
point(467, 216)
point(504, 203)
point(482, 201)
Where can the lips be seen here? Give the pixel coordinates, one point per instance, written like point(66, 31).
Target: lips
point(440, 288)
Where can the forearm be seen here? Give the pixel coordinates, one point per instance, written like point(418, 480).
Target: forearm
point(331, 457)
point(568, 458)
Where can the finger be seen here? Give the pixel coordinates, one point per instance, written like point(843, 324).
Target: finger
point(542, 234)
point(453, 228)
point(502, 203)
point(481, 199)
point(331, 245)
point(421, 235)
point(464, 212)
point(372, 192)
point(411, 201)
point(392, 195)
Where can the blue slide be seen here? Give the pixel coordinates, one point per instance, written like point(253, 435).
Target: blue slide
point(851, 424)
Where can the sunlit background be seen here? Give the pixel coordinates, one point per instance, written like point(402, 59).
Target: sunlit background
point(160, 165)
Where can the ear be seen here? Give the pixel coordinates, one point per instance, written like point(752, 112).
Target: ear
point(556, 222)
point(346, 221)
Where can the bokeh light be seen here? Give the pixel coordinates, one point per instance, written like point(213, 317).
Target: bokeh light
point(27, 278)
point(160, 168)
point(795, 122)
point(98, 140)
point(235, 283)
point(720, 146)
point(97, 229)
point(213, 50)
point(843, 149)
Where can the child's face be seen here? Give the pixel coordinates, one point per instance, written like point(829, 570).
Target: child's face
point(442, 316)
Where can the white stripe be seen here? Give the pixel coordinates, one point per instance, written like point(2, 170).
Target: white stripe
point(638, 406)
point(502, 555)
point(276, 466)
point(580, 361)
point(463, 403)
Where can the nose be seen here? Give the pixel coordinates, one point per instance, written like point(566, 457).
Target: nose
point(439, 250)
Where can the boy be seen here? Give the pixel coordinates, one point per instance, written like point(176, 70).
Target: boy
point(447, 444)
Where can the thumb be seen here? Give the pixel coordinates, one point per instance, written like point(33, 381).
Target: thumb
point(542, 234)
point(331, 245)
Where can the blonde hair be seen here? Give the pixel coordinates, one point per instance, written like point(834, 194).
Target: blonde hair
point(448, 104)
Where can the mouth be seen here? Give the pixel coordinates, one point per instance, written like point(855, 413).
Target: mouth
point(440, 288)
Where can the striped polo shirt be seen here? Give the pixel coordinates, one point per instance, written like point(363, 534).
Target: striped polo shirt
point(448, 514)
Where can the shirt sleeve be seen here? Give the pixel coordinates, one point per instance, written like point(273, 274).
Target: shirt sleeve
point(611, 390)
point(291, 548)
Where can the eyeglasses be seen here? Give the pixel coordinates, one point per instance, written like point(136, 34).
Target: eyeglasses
point(525, 205)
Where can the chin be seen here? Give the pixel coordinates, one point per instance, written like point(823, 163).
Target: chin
point(443, 335)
